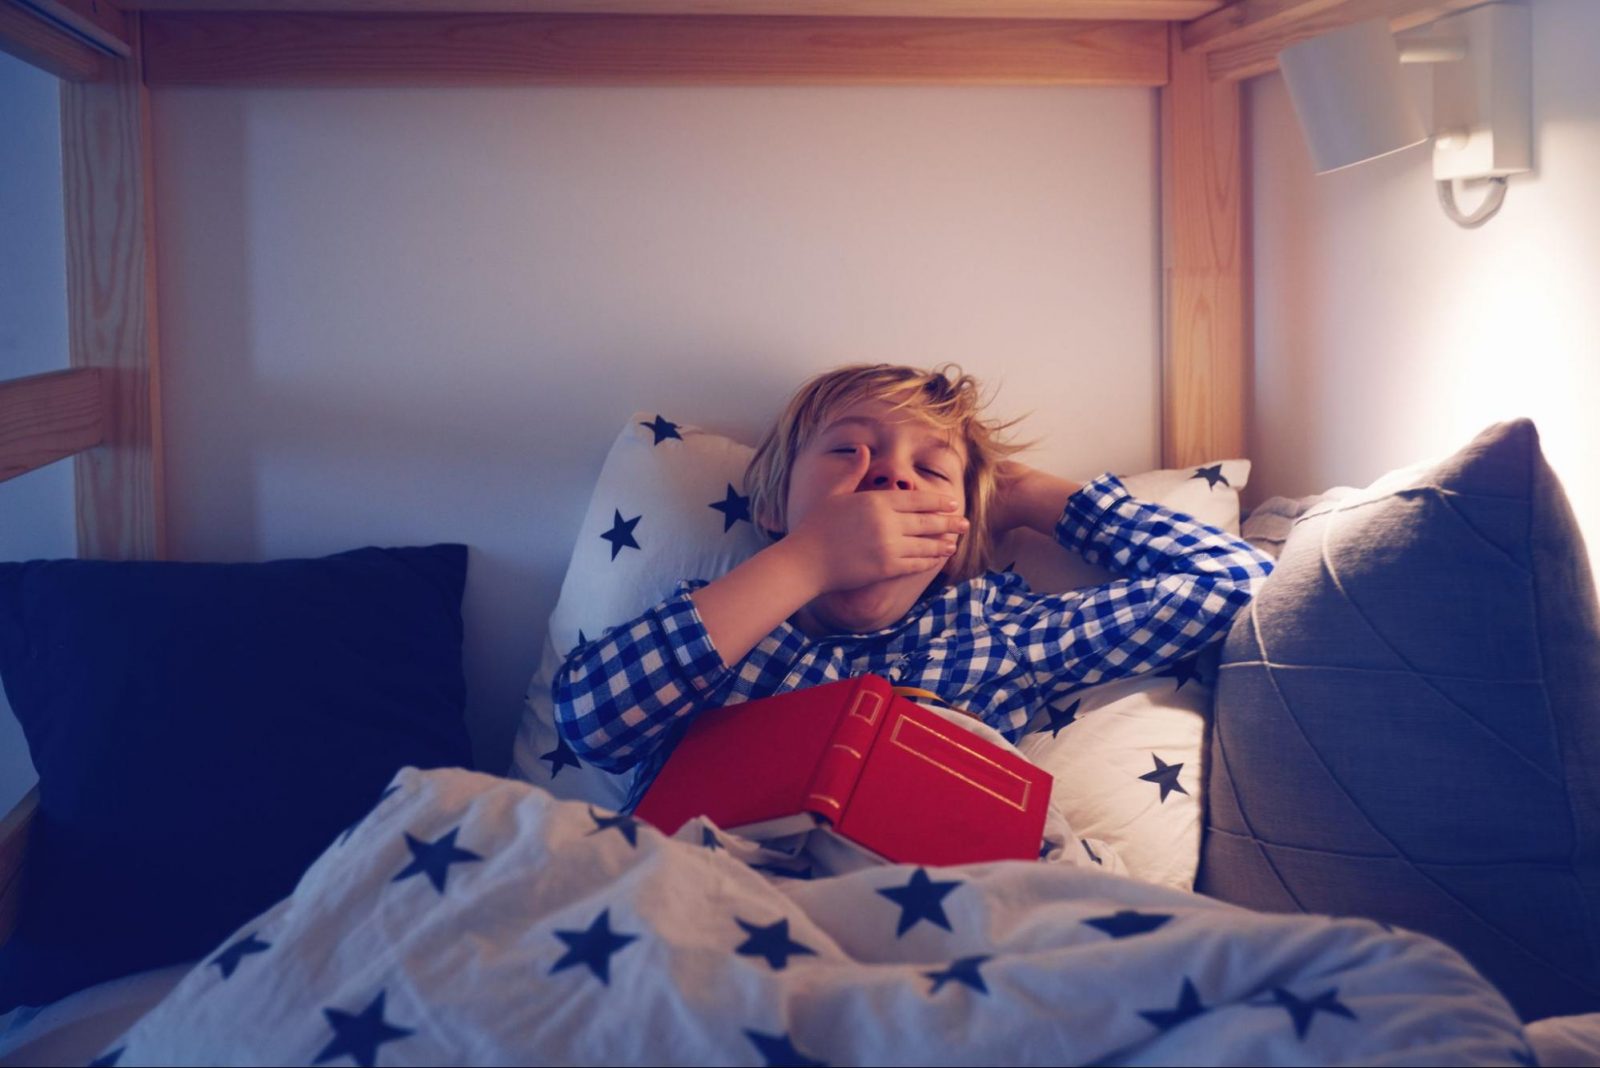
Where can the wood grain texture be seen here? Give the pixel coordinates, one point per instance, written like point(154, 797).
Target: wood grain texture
point(14, 828)
point(1259, 53)
point(992, 9)
point(111, 311)
point(433, 50)
point(46, 45)
point(1245, 20)
point(1205, 267)
point(45, 418)
point(99, 22)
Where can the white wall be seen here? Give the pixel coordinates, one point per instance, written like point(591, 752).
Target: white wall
point(1386, 334)
point(405, 316)
point(35, 509)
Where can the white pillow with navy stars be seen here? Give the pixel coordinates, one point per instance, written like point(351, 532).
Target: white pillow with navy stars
point(667, 506)
point(1126, 755)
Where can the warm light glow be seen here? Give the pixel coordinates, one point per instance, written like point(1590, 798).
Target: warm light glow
point(1519, 335)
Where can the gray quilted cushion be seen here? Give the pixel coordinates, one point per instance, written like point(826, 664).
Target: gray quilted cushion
point(1408, 722)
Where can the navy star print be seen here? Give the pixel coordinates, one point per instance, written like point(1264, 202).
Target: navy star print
point(1301, 1012)
point(733, 508)
point(1212, 475)
point(626, 826)
point(963, 970)
point(1187, 1008)
point(920, 899)
point(560, 757)
point(1166, 775)
point(778, 1050)
point(434, 859)
point(783, 873)
point(621, 533)
point(772, 942)
point(229, 958)
point(1182, 670)
point(108, 1059)
point(358, 1037)
point(662, 429)
point(593, 947)
point(1127, 922)
point(1060, 717)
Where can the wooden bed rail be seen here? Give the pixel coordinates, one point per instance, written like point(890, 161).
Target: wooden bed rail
point(45, 418)
point(47, 45)
point(1244, 38)
point(14, 828)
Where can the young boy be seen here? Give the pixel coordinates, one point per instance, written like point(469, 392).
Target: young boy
point(895, 582)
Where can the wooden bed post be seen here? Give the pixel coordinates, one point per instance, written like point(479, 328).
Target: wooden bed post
point(1205, 360)
point(111, 304)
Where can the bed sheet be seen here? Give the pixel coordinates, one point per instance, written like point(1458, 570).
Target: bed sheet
point(76, 1028)
point(1564, 1041)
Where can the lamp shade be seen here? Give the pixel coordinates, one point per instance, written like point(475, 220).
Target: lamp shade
point(1349, 95)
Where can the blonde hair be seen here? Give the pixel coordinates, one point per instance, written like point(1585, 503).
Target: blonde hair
point(945, 396)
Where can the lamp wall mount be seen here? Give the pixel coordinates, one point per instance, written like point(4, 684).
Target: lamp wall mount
point(1482, 103)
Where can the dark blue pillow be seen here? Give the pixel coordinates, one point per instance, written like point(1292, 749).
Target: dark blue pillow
point(203, 731)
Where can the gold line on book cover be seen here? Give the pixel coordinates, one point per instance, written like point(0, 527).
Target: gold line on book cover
point(908, 746)
point(862, 698)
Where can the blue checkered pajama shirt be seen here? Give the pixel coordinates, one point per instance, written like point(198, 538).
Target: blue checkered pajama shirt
point(989, 645)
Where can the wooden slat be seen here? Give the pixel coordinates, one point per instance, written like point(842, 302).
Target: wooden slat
point(99, 22)
point(1243, 21)
point(111, 312)
point(1162, 10)
point(432, 50)
point(1259, 55)
point(1205, 268)
point(46, 45)
point(45, 418)
point(14, 830)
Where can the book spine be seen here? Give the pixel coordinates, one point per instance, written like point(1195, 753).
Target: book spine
point(840, 765)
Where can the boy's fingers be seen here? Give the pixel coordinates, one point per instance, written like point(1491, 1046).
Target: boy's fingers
point(926, 524)
point(925, 548)
point(921, 501)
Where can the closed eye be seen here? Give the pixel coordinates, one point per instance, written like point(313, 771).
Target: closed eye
point(940, 475)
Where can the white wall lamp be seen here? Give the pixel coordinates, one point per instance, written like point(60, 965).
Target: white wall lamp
point(1353, 105)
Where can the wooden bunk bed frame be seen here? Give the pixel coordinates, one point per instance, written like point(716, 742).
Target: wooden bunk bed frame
point(105, 410)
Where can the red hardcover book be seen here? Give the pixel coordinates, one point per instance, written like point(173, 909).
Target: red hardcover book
point(887, 773)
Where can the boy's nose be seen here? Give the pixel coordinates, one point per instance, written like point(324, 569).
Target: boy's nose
point(884, 482)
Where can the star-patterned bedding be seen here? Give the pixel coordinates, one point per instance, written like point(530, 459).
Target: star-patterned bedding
point(473, 919)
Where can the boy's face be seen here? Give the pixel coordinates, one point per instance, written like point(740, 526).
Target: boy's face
point(907, 453)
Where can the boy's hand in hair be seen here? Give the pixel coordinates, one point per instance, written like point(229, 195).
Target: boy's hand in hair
point(855, 537)
point(1027, 497)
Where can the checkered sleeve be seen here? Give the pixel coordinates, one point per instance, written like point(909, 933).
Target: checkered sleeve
point(1185, 583)
point(617, 697)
